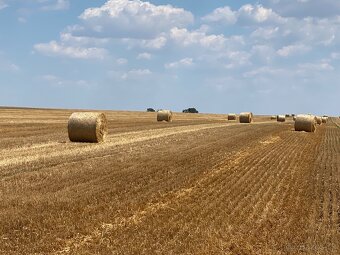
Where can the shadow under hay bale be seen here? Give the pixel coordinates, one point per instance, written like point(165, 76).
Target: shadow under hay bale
point(90, 127)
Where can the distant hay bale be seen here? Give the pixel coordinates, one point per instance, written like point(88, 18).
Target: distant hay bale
point(324, 119)
point(88, 127)
point(281, 118)
point(246, 117)
point(273, 117)
point(294, 117)
point(305, 123)
point(318, 120)
point(164, 115)
point(232, 116)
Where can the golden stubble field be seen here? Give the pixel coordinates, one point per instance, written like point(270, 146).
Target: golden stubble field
point(198, 185)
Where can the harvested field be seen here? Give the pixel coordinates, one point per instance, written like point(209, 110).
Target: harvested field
point(198, 185)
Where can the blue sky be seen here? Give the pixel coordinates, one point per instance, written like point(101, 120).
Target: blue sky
point(269, 56)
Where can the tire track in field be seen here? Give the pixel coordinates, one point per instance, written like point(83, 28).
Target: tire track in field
point(212, 199)
point(33, 153)
point(205, 141)
point(224, 201)
point(50, 154)
point(165, 204)
point(326, 207)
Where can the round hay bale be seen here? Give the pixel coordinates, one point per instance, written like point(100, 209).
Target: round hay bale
point(318, 120)
point(305, 123)
point(232, 116)
point(246, 117)
point(273, 117)
point(164, 115)
point(88, 127)
point(281, 118)
point(324, 119)
point(294, 117)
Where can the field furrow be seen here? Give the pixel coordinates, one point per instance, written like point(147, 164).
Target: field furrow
point(199, 185)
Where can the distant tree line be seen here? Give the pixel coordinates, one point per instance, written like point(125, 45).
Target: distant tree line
point(189, 110)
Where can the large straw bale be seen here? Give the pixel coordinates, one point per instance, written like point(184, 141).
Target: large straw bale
point(324, 119)
point(318, 120)
point(273, 117)
point(281, 118)
point(305, 122)
point(87, 127)
point(232, 116)
point(246, 117)
point(164, 115)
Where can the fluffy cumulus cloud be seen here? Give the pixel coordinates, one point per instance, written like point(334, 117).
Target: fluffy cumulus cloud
point(185, 62)
point(184, 37)
point(54, 48)
point(133, 18)
point(153, 44)
point(136, 74)
point(246, 15)
point(249, 14)
point(223, 14)
point(266, 46)
point(290, 50)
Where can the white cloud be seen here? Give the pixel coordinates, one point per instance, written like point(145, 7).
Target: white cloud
point(49, 77)
point(185, 62)
point(122, 61)
point(6, 65)
point(263, 53)
point(144, 55)
point(223, 14)
point(67, 37)
point(185, 38)
point(133, 19)
point(156, 43)
point(335, 55)
point(56, 49)
point(237, 59)
point(22, 20)
point(3, 5)
point(290, 50)
point(135, 73)
point(14, 67)
point(312, 67)
point(266, 33)
point(265, 71)
point(56, 6)
point(54, 80)
point(248, 15)
point(151, 44)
